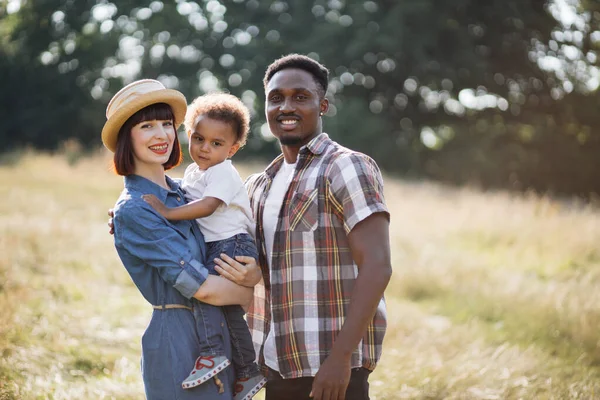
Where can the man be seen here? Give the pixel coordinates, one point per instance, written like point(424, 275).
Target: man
point(318, 317)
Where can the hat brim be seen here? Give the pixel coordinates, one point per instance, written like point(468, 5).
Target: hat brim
point(111, 128)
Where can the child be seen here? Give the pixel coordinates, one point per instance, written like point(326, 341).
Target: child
point(217, 125)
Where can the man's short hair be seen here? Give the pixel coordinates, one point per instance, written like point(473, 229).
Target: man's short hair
point(299, 61)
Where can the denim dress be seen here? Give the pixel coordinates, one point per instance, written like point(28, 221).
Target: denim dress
point(166, 262)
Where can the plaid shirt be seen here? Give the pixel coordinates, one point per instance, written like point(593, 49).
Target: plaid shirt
point(313, 273)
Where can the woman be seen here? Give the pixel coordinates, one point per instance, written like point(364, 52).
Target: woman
point(165, 259)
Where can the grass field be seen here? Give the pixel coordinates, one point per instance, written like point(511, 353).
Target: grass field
point(494, 295)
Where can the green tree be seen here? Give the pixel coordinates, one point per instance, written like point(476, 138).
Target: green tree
point(502, 93)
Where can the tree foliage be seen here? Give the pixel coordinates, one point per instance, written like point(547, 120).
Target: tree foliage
point(500, 93)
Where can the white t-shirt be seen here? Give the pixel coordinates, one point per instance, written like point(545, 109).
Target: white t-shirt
point(273, 205)
point(221, 181)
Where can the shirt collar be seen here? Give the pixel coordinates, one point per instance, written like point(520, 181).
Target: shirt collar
point(317, 146)
point(140, 184)
point(272, 169)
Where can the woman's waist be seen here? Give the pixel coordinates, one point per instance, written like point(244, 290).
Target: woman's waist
point(182, 304)
point(162, 297)
point(172, 306)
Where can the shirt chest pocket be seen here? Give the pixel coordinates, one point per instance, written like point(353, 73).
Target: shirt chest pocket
point(304, 211)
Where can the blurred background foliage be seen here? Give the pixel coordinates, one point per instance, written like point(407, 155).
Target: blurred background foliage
point(497, 93)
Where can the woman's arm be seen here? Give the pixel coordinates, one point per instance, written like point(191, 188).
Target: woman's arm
point(241, 276)
point(220, 291)
point(144, 235)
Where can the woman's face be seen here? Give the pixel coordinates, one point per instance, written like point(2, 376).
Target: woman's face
point(152, 142)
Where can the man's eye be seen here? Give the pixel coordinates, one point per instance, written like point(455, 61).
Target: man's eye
point(301, 97)
point(275, 99)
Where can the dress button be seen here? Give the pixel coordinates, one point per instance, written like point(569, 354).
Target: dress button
point(182, 262)
point(222, 324)
point(178, 198)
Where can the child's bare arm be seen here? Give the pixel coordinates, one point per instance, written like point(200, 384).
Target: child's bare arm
point(196, 209)
point(156, 204)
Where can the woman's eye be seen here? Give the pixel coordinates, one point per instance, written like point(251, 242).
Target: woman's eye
point(168, 123)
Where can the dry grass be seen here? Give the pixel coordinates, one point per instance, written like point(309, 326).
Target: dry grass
point(493, 296)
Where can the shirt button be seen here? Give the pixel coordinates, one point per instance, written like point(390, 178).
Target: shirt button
point(182, 262)
point(222, 324)
point(178, 198)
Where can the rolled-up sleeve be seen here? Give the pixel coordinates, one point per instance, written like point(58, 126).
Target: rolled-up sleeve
point(141, 233)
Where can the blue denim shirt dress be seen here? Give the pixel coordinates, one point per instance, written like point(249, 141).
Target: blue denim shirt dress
point(166, 262)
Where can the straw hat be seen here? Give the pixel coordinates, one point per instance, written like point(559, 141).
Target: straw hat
point(131, 99)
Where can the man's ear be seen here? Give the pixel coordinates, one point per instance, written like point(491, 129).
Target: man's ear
point(324, 105)
point(233, 150)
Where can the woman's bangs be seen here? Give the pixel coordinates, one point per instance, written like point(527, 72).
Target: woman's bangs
point(158, 111)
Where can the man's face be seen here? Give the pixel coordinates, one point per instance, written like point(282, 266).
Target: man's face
point(293, 105)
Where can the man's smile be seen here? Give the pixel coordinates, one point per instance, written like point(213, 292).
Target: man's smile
point(288, 122)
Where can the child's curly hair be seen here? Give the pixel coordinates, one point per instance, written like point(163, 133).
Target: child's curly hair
point(223, 107)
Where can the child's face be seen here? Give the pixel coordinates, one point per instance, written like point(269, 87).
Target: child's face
point(212, 142)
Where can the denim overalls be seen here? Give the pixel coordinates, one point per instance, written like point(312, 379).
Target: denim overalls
point(165, 261)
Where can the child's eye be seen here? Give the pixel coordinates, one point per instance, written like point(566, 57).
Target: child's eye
point(168, 123)
point(217, 144)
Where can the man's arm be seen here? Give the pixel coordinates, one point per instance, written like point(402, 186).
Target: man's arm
point(370, 246)
point(196, 209)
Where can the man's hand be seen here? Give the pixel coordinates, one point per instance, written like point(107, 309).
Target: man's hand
point(332, 380)
point(111, 227)
point(244, 271)
point(156, 204)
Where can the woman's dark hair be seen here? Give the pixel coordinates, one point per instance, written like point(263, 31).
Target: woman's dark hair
point(123, 163)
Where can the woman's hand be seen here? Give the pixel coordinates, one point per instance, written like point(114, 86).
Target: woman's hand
point(245, 271)
point(111, 226)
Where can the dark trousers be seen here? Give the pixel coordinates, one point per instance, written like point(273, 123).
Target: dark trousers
point(299, 388)
point(241, 341)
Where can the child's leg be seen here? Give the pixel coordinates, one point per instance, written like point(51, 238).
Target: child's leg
point(212, 358)
point(209, 336)
point(241, 341)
